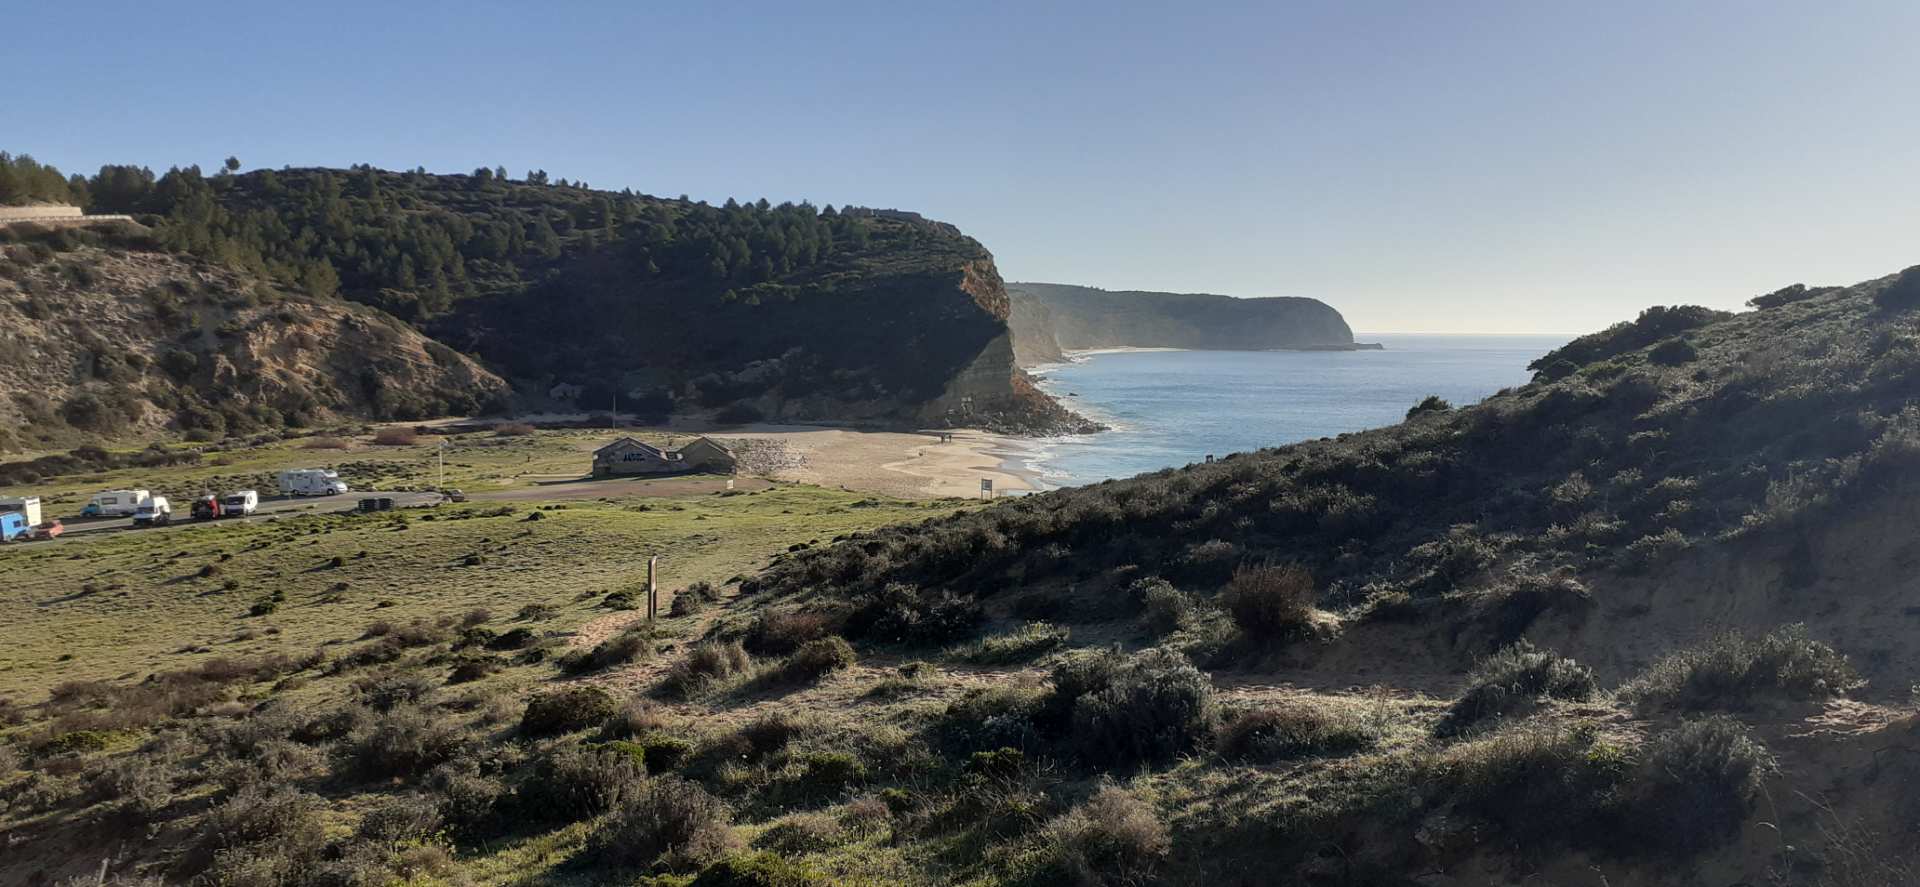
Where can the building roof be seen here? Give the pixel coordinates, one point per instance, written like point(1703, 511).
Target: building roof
point(703, 439)
point(626, 443)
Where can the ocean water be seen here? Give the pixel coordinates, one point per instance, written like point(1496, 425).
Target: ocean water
point(1170, 408)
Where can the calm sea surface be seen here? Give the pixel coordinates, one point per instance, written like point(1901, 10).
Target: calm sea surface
point(1174, 407)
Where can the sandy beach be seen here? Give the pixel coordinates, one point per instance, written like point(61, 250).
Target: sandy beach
point(904, 464)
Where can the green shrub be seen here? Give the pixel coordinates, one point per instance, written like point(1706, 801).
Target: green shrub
point(664, 752)
point(759, 870)
point(390, 690)
point(706, 664)
point(1155, 706)
point(1025, 643)
point(466, 800)
point(1270, 602)
point(1697, 783)
point(1114, 838)
point(1902, 293)
point(1542, 784)
point(804, 833)
point(577, 782)
point(1733, 671)
point(406, 742)
point(404, 818)
point(901, 613)
point(513, 639)
point(830, 772)
point(1294, 731)
point(1001, 763)
point(1673, 352)
point(693, 599)
point(672, 822)
point(1432, 404)
point(631, 645)
point(284, 819)
point(779, 632)
point(566, 710)
point(1164, 609)
point(1513, 679)
point(994, 717)
point(78, 742)
point(817, 657)
point(771, 732)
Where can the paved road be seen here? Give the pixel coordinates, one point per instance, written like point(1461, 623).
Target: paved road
point(84, 527)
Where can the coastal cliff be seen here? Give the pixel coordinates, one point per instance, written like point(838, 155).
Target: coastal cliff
point(556, 296)
point(1049, 319)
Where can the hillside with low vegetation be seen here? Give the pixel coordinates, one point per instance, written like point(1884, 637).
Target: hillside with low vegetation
point(102, 338)
point(1645, 621)
point(599, 300)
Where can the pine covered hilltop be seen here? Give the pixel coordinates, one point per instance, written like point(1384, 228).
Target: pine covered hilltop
point(1052, 318)
point(579, 298)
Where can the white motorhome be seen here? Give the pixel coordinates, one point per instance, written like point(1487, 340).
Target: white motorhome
point(115, 503)
point(239, 503)
point(311, 482)
point(26, 505)
point(154, 512)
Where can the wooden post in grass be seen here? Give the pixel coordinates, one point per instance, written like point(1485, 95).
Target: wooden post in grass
point(653, 590)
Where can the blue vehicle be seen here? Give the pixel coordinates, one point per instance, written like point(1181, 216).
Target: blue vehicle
point(13, 525)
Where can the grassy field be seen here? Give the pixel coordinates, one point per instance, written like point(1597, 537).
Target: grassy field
point(133, 602)
point(473, 461)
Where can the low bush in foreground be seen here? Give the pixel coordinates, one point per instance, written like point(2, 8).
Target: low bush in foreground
point(630, 645)
point(672, 821)
point(779, 632)
point(576, 782)
point(1698, 783)
point(1150, 707)
point(1514, 679)
point(406, 742)
point(817, 657)
point(567, 710)
point(1733, 671)
point(759, 870)
point(1296, 730)
point(707, 664)
point(1114, 838)
point(1020, 645)
point(1270, 602)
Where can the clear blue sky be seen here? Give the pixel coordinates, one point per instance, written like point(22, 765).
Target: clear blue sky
point(1453, 167)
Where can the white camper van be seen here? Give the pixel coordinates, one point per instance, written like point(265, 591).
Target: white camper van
point(311, 482)
point(115, 503)
point(26, 505)
point(154, 512)
point(239, 503)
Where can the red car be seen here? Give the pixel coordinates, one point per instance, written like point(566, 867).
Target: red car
point(47, 530)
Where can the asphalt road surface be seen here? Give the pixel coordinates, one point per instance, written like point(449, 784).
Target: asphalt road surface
point(182, 519)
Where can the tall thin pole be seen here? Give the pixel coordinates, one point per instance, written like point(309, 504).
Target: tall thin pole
point(653, 589)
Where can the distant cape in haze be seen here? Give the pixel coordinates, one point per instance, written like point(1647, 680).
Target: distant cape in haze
point(1049, 319)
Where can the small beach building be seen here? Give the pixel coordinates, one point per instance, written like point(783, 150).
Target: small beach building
point(707, 454)
point(628, 456)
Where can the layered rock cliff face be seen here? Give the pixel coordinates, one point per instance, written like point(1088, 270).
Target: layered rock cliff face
point(992, 389)
point(1049, 318)
point(110, 343)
